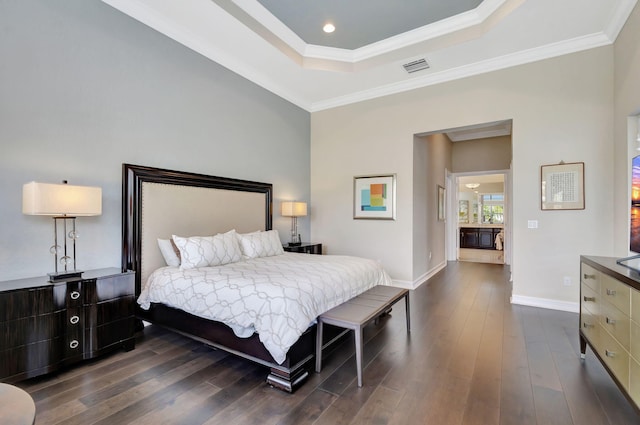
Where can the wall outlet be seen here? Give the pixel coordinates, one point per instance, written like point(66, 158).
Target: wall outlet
point(429, 255)
point(566, 281)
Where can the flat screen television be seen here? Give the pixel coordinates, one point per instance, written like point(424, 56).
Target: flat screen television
point(633, 261)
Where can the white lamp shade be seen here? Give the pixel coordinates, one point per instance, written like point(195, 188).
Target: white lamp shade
point(293, 209)
point(61, 199)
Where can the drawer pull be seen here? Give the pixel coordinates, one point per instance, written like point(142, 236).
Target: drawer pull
point(587, 325)
point(74, 320)
point(610, 321)
point(589, 276)
point(587, 299)
point(611, 354)
point(75, 295)
point(611, 292)
point(74, 344)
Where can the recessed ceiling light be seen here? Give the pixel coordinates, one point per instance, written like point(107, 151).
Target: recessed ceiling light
point(328, 28)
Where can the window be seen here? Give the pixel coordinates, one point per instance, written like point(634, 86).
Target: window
point(492, 207)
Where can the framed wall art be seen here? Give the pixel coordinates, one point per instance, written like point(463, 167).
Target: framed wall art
point(463, 211)
point(374, 197)
point(562, 186)
point(441, 203)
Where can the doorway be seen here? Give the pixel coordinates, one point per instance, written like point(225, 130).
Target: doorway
point(482, 216)
point(440, 157)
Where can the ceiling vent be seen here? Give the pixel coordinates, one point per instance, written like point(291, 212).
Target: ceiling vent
point(416, 65)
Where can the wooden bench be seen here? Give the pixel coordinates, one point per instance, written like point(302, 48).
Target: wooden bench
point(357, 313)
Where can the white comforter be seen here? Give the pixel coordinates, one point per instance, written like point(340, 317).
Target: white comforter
point(278, 297)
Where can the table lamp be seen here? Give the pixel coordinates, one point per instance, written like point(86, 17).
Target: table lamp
point(294, 210)
point(63, 202)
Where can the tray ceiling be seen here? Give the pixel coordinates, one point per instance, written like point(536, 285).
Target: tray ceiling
point(279, 47)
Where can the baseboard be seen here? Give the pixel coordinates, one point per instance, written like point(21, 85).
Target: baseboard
point(422, 279)
point(546, 303)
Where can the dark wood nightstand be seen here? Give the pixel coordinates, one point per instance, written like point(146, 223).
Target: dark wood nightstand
point(305, 248)
point(48, 325)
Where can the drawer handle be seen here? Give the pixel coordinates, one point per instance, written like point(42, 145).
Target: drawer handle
point(74, 344)
point(611, 354)
point(75, 295)
point(587, 299)
point(610, 321)
point(587, 325)
point(589, 276)
point(74, 320)
point(611, 292)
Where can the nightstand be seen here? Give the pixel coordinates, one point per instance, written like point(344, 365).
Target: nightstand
point(48, 325)
point(305, 248)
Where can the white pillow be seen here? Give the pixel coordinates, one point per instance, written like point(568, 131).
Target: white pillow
point(170, 252)
point(205, 251)
point(261, 244)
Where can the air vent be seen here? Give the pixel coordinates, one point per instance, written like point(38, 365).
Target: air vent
point(416, 65)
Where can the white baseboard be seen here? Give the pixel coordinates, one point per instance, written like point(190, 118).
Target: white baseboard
point(422, 279)
point(546, 303)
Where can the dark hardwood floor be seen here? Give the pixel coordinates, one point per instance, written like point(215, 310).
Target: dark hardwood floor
point(471, 358)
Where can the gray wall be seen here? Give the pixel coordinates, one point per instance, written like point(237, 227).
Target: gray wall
point(431, 160)
point(84, 88)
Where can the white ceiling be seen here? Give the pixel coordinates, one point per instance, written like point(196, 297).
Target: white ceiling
point(483, 180)
point(245, 37)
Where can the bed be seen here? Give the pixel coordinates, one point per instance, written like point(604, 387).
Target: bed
point(159, 203)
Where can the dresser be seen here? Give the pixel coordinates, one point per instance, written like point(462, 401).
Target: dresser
point(610, 320)
point(46, 325)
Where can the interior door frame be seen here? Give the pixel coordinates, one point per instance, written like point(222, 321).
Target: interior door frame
point(452, 241)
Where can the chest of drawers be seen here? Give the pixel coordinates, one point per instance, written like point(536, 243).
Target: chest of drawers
point(610, 320)
point(45, 325)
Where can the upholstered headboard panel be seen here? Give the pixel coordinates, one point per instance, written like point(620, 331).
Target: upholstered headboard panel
point(158, 203)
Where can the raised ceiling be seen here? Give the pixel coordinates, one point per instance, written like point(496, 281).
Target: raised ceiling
point(245, 37)
point(361, 22)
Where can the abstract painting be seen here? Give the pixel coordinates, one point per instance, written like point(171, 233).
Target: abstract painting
point(374, 197)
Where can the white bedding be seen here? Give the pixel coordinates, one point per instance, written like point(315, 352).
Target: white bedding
point(278, 297)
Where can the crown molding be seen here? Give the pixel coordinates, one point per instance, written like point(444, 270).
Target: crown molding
point(482, 67)
point(169, 27)
point(460, 22)
point(618, 18)
point(189, 23)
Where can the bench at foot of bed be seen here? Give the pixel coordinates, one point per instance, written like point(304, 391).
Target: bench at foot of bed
point(357, 313)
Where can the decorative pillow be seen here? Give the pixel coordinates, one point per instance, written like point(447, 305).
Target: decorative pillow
point(170, 252)
point(261, 244)
point(205, 251)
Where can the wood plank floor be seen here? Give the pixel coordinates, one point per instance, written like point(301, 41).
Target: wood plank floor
point(471, 358)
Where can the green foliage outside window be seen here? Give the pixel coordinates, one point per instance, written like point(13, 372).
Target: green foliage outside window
point(492, 208)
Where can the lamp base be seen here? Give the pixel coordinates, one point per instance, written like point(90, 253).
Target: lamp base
point(73, 274)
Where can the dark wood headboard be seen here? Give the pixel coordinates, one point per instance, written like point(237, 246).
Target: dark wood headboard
point(137, 181)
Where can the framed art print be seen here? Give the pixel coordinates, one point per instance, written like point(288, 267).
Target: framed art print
point(374, 197)
point(441, 203)
point(562, 186)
